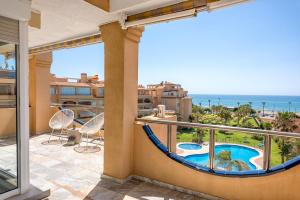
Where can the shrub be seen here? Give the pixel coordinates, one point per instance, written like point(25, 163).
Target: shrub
point(267, 125)
point(247, 124)
point(225, 132)
point(258, 137)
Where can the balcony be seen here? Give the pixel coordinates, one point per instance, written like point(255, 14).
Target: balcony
point(143, 158)
point(78, 176)
point(170, 94)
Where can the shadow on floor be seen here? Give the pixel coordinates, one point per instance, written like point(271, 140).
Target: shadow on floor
point(135, 189)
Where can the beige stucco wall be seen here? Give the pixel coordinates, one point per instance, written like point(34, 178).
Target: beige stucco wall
point(150, 162)
point(7, 122)
point(171, 103)
point(39, 91)
point(121, 86)
point(185, 108)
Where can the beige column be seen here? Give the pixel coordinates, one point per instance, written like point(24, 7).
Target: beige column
point(39, 92)
point(120, 102)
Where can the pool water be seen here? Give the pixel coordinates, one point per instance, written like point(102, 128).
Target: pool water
point(190, 146)
point(237, 153)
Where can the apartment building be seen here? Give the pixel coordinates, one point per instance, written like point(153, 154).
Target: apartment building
point(86, 96)
point(173, 96)
point(145, 101)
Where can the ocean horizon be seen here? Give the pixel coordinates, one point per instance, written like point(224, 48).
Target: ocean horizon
point(276, 103)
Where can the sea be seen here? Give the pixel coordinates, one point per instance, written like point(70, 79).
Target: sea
point(272, 103)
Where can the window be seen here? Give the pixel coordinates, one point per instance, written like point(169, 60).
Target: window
point(68, 91)
point(101, 92)
point(53, 91)
point(83, 91)
point(147, 100)
point(69, 103)
point(8, 108)
point(88, 103)
point(5, 89)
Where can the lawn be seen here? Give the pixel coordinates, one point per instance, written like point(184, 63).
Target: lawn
point(249, 122)
point(187, 135)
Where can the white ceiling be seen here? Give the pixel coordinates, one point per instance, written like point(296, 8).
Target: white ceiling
point(68, 19)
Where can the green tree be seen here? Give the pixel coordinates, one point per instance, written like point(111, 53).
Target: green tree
point(286, 122)
point(200, 133)
point(207, 110)
point(242, 112)
point(225, 114)
point(224, 160)
point(267, 125)
point(198, 109)
point(217, 109)
point(263, 104)
point(286, 148)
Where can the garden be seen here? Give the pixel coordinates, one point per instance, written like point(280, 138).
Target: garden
point(283, 149)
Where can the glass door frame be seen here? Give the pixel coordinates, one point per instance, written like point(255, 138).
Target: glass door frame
point(17, 112)
point(22, 113)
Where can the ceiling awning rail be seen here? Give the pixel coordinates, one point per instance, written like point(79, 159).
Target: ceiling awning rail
point(92, 39)
point(184, 9)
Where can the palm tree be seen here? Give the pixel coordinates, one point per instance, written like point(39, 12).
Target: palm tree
point(224, 160)
point(263, 104)
point(219, 99)
point(225, 114)
point(199, 136)
point(250, 103)
point(209, 103)
point(290, 106)
point(285, 121)
point(242, 112)
point(238, 103)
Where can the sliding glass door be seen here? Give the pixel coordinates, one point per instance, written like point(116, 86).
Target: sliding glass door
point(8, 105)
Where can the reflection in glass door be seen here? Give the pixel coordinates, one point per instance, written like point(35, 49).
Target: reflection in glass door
point(8, 117)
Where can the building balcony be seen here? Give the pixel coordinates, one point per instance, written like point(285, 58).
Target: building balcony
point(156, 158)
point(79, 176)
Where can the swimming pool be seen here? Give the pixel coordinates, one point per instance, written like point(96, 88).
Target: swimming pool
point(190, 146)
point(237, 153)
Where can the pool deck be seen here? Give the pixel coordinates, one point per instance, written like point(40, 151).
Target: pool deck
point(257, 160)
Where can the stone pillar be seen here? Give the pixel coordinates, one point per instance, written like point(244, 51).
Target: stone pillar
point(39, 92)
point(121, 94)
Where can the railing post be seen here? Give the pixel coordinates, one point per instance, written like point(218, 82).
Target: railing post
point(267, 152)
point(211, 148)
point(169, 137)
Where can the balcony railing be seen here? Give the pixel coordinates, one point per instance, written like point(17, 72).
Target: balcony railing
point(267, 134)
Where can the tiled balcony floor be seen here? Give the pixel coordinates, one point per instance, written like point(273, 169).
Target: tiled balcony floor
point(71, 176)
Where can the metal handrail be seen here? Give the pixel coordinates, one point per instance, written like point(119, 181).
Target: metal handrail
point(77, 105)
point(221, 127)
point(212, 139)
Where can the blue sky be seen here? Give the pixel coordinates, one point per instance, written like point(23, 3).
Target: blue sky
point(251, 48)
